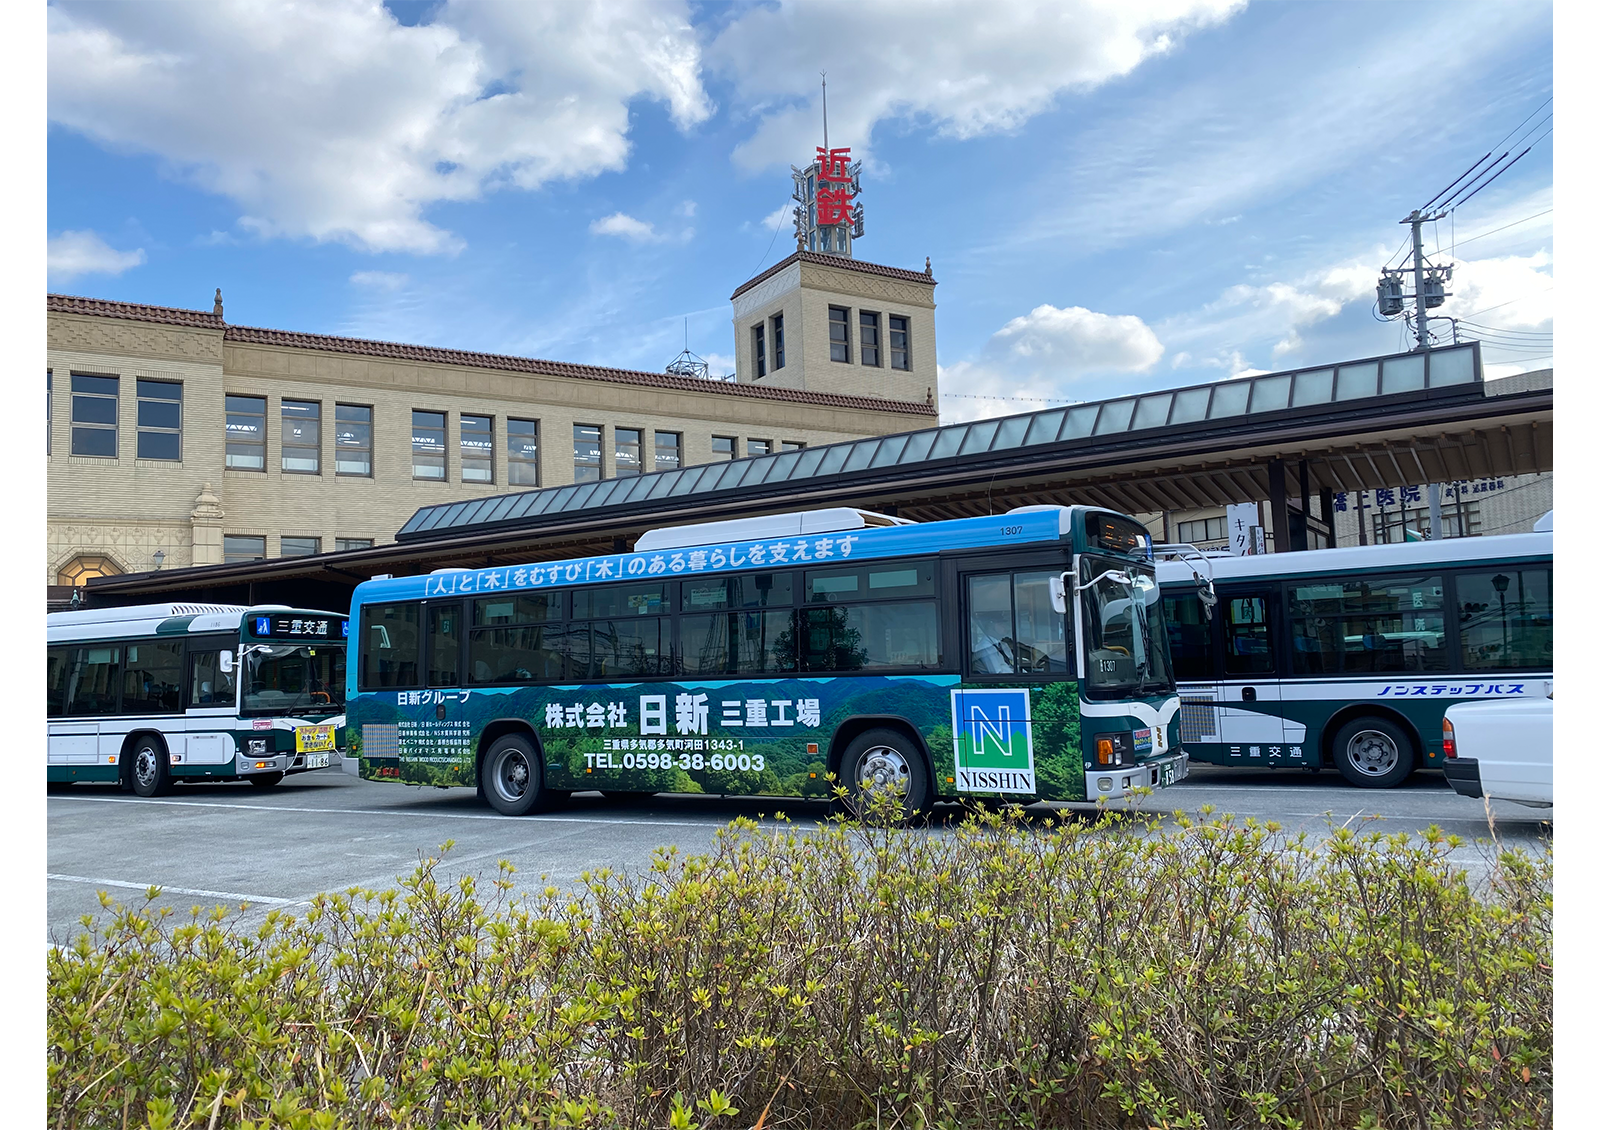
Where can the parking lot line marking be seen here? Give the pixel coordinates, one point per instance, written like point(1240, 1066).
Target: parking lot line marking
point(390, 812)
point(231, 896)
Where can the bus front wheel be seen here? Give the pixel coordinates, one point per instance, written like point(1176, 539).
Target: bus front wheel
point(512, 776)
point(148, 772)
point(1373, 753)
point(265, 780)
point(885, 763)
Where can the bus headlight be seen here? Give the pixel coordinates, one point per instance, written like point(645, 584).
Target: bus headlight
point(1113, 749)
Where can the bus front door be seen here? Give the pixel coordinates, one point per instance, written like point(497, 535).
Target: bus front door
point(1249, 722)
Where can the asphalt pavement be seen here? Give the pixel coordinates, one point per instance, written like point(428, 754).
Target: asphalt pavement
point(207, 844)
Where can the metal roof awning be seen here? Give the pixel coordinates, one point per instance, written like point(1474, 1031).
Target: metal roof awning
point(1390, 421)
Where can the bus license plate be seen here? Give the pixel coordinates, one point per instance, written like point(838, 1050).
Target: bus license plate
point(316, 761)
point(310, 738)
point(1169, 773)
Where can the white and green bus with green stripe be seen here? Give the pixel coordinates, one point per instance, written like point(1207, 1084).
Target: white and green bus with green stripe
point(1349, 657)
point(144, 696)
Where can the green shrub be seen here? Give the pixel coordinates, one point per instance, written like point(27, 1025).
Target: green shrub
point(1198, 973)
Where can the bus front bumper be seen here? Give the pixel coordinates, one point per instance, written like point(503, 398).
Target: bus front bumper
point(1109, 784)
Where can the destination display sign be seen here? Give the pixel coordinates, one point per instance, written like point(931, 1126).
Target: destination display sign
point(278, 626)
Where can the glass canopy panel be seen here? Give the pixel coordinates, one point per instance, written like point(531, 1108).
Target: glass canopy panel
point(980, 438)
point(1011, 433)
point(806, 465)
point(918, 444)
point(1080, 421)
point(947, 442)
point(1315, 387)
point(1189, 405)
point(1044, 426)
point(1114, 417)
point(691, 478)
point(717, 476)
point(501, 505)
point(1402, 374)
point(1229, 398)
point(662, 484)
point(1152, 411)
point(861, 454)
point(833, 459)
point(1450, 367)
point(1269, 394)
point(1357, 381)
point(888, 452)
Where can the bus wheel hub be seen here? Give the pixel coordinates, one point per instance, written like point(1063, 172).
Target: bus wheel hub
point(1373, 752)
point(883, 767)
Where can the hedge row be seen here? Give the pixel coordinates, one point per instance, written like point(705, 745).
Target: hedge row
point(1197, 973)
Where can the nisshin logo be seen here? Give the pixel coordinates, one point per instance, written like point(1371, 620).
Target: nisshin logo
point(994, 741)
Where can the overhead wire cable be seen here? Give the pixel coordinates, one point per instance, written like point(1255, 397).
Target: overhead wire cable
point(1508, 302)
point(1454, 242)
point(1453, 183)
point(1447, 201)
point(1522, 123)
point(1490, 181)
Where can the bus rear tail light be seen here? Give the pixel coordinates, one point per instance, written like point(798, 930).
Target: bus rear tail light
point(1449, 739)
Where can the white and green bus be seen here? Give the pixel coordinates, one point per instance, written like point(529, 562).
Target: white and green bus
point(1349, 657)
point(148, 695)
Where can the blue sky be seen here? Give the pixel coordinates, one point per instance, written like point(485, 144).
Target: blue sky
point(1114, 196)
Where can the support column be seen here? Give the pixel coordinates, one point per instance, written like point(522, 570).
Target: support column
point(205, 522)
point(1325, 504)
point(1277, 488)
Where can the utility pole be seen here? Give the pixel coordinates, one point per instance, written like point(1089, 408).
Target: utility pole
point(1427, 281)
point(1416, 257)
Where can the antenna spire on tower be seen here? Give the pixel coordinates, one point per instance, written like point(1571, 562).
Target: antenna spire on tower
point(824, 109)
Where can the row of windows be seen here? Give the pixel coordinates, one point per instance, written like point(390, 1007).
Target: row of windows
point(253, 547)
point(1489, 620)
point(871, 327)
point(160, 429)
point(143, 677)
point(881, 617)
point(760, 335)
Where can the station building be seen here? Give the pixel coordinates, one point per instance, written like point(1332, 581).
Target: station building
point(176, 438)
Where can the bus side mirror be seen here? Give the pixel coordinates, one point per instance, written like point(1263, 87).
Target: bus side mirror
point(1207, 593)
point(225, 661)
point(1058, 594)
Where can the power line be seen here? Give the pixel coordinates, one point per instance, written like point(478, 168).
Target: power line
point(1523, 122)
point(1501, 228)
point(1508, 302)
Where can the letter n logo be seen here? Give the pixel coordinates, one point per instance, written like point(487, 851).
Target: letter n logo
point(993, 735)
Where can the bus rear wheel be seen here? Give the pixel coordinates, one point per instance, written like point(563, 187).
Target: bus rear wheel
point(512, 776)
point(148, 772)
point(1373, 753)
point(880, 765)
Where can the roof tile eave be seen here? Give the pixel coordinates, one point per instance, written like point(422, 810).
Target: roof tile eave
point(132, 311)
point(817, 258)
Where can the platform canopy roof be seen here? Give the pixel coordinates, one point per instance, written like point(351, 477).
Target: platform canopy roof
point(1390, 421)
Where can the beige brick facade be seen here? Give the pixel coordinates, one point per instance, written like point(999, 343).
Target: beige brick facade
point(801, 289)
point(126, 508)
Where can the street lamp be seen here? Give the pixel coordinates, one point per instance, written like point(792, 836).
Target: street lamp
point(158, 558)
point(1500, 582)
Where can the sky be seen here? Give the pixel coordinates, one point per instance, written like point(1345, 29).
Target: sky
point(1115, 196)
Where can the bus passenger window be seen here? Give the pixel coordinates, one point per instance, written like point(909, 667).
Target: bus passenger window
point(211, 678)
point(444, 645)
point(390, 645)
point(1246, 636)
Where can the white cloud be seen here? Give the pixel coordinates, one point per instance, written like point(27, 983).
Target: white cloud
point(623, 225)
point(687, 209)
point(331, 121)
point(75, 253)
point(968, 67)
point(379, 280)
point(784, 213)
point(1049, 354)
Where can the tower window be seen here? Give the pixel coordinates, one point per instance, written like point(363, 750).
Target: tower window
point(839, 334)
point(758, 338)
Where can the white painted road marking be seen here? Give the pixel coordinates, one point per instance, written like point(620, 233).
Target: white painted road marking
point(230, 896)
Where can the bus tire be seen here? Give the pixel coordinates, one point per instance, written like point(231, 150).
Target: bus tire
point(512, 776)
point(1373, 753)
point(265, 780)
point(884, 758)
point(148, 771)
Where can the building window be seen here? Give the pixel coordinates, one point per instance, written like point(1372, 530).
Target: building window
point(628, 456)
point(299, 547)
point(758, 446)
point(247, 433)
point(342, 544)
point(160, 416)
point(777, 341)
point(427, 445)
point(839, 334)
point(1203, 529)
point(522, 452)
point(724, 447)
point(899, 342)
point(94, 415)
point(352, 440)
point(669, 451)
point(477, 449)
point(586, 453)
point(81, 568)
point(302, 437)
point(243, 547)
point(794, 445)
point(869, 340)
point(758, 342)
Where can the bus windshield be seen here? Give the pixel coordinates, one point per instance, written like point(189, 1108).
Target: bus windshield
point(1126, 645)
point(289, 678)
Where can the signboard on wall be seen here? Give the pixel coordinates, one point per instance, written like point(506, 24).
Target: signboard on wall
point(1244, 529)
